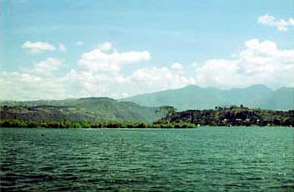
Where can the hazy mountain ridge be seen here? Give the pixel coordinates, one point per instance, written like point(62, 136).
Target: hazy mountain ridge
point(84, 109)
point(194, 97)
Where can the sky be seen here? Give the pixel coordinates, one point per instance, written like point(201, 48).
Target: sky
point(58, 49)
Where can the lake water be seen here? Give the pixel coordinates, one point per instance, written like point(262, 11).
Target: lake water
point(203, 159)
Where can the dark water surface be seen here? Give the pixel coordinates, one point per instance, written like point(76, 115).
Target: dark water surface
point(204, 159)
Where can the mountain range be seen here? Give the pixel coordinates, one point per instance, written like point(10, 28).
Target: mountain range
point(146, 108)
point(195, 97)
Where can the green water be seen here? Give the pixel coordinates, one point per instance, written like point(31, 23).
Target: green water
point(204, 159)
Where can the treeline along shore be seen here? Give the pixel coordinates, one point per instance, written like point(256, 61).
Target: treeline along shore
point(230, 116)
point(72, 124)
point(220, 116)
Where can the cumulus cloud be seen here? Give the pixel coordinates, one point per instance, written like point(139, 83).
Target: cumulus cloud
point(105, 46)
point(47, 66)
point(37, 82)
point(81, 81)
point(86, 84)
point(281, 25)
point(106, 58)
point(25, 86)
point(177, 66)
point(38, 47)
point(98, 73)
point(159, 78)
point(261, 62)
point(124, 95)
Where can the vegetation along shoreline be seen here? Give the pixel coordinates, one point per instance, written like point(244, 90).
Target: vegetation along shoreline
point(220, 116)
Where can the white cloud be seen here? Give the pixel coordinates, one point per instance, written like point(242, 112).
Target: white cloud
point(62, 47)
point(88, 78)
point(159, 78)
point(124, 95)
point(281, 25)
point(106, 46)
point(86, 84)
point(24, 86)
point(47, 66)
point(38, 47)
point(98, 73)
point(177, 66)
point(37, 82)
point(106, 58)
point(218, 73)
point(261, 62)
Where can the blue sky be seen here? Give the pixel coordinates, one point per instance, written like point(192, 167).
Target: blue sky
point(191, 34)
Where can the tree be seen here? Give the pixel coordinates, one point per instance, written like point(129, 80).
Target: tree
point(169, 111)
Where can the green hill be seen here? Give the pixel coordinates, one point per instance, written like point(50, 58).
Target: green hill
point(84, 109)
point(194, 97)
point(230, 116)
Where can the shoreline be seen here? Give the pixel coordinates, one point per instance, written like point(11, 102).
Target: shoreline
point(162, 126)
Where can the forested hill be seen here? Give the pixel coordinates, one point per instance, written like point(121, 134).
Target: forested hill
point(84, 109)
point(231, 116)
point(194, 97)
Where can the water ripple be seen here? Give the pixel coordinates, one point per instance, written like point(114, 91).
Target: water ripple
point(205, 159)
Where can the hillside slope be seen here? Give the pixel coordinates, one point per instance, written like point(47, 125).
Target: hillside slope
point(231, 116)
point(194, 97)
point(84, 109)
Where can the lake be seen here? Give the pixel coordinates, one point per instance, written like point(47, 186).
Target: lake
point(203, 159)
